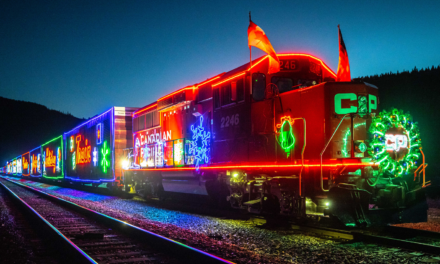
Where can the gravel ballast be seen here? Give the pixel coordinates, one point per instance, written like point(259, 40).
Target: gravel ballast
point(240, 241)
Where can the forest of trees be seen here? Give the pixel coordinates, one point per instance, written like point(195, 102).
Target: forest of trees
point(416, 92)
point(26, 125)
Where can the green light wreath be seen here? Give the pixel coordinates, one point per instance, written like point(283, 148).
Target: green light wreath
point(383, 122)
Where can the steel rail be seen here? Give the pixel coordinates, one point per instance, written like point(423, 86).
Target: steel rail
point(184, 252)
point(77, 255)
point(395, 242)
point(380, 239)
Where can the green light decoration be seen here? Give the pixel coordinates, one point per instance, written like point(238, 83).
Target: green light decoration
point(73, 160)
point(104, 161)
point(379, 127)
point(286, 138)
point(362, 147)
point(362, 105)
point(346, 140)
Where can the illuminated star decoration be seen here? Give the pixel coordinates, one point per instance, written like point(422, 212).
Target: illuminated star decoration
point(199, 146)
point(104, 162)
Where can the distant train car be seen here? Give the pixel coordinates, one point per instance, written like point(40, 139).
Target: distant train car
point(52, 159)
point(18, 165)
point(94, 149)
point(35, 162)
point(14, 167)
point(25, 163)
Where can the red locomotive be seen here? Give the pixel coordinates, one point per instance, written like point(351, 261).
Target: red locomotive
point(293, 143)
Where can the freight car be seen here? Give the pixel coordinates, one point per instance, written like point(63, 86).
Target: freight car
point(89, 153)
point(293, 143)
point(94, 149)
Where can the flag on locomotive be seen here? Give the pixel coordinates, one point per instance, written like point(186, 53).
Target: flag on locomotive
point(344, 65)
point(258, 39)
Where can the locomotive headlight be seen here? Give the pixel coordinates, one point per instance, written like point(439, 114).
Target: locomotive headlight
point(125, 164)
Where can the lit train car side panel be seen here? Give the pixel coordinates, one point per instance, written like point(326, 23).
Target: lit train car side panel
point(9, 167)
point(93, 150)
point(25, 164)
point(35, 162)
point(52, 159)
point(19, 166)
point(14, 167)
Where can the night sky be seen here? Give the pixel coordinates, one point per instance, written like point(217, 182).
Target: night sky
point(83, 57)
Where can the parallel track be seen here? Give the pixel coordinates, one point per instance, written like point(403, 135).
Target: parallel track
point(91, 237)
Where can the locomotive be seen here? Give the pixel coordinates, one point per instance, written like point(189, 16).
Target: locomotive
point(294, 144)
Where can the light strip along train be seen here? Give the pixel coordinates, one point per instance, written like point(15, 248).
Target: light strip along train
point(294, 143)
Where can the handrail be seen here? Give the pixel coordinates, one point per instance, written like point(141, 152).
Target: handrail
point(421, 169)
point(322, 152)
point(302, 152)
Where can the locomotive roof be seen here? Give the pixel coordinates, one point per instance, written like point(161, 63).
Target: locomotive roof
point(241, 69)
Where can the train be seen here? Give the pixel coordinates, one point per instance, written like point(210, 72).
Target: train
point(294, 144)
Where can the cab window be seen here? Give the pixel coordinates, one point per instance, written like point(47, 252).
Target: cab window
point(283, 84)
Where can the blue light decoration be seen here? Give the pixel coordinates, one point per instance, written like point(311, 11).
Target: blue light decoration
point(95, 156)
point(200, 146)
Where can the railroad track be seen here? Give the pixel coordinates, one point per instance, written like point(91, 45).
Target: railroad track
point(91, 237)
point(392, 236)
point(410, 239)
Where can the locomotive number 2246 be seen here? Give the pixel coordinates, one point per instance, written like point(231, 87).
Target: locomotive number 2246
point(228, 121)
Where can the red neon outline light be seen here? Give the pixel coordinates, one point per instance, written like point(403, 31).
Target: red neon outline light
point(280, 55)
point(230, 78)
point(145, 109)
point(196, 86)
point(267, 166)
point(178, 91)
point(258, 62)
point(192, 87)
point(209, 80)
point(310, 56)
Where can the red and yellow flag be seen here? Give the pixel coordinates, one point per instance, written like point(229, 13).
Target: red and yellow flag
point(344, 65)
point(258, 39)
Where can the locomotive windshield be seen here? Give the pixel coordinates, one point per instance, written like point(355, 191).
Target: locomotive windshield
point(283, 84)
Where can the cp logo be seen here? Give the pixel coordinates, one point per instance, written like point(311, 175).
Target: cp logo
point(372, 103)
point(395, 142)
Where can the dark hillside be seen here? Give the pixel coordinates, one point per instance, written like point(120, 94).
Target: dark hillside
point(417, 92)
point(25, 125)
